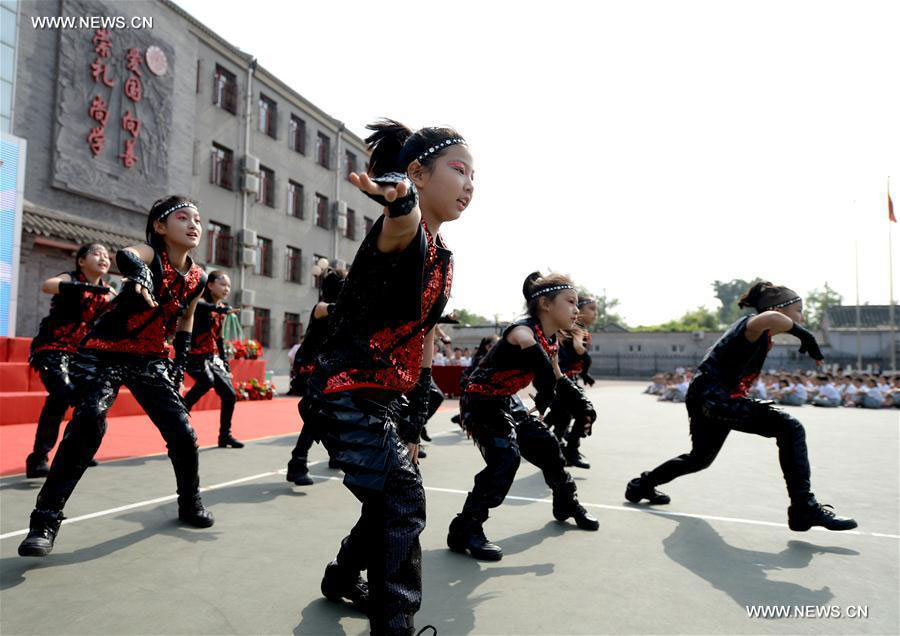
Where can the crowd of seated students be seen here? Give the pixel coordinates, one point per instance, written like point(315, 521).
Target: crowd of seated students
point(797, 388)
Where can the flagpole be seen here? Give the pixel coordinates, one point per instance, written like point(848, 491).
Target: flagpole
point(893, 326)
point(858, 336)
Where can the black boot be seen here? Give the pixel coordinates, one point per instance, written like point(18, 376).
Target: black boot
point(804, 515)
point(42, 532)
point(92, 462)
point(574, 458)
point(422, 454)
point(424, 435)
point(193, 513)
point(467, 535)
point(332, 463)
point(339, 583)
point(36, 466)
point(298, 472)
point(227, 440)
point(563, 509)
point(641, 488)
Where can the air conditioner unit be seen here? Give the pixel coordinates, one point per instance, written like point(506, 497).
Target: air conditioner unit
point(251, 164)
point(340, 213)
point(246, 297)
point(247, 317)
point(248, 238)
point(250, 184)
point(248, 257)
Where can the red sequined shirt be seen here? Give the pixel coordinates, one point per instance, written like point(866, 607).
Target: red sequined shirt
point(70, 317)
point(502, 372)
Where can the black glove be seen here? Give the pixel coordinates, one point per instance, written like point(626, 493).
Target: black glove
point(575, 401)
point(221, 309)
point(808, 342)
point(410, 428)
point(134, 269)
point(401, 206)
point(78, 286)
point(182, 346)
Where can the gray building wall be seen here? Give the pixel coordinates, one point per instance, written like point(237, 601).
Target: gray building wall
point(50, 111)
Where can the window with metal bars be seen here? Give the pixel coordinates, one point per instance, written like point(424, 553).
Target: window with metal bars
point(295, 199)
point(219, 244)
point(323, 150)
point(297, 137)
point(293, 330)
point(268, 116)
point(264, 257)
point(225, 91)
point(293, 264)
point(261, 325)
point(266, 194)
point(222, 164)
point(322, 211)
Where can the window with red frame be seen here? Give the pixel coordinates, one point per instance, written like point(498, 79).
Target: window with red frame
point(317, 280)
point(219, 244)
point(225, 91)
point(369, 223)
point(294, 264)
point(351, 224)
point(295, 199)
point(351, 163)
point(297, 137)
point(261, 325)
point(266, 194)
point(322, 211)
point(323, 150)
point(222, 173)
point(264, 257)
point(293, 330)
point(268, 116)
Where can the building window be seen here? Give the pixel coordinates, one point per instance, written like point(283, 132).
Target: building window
point(294, 265)
point(261, 324)
point(297, 138)
point(351, 224)
point(219, 244)
point(369, 223)
point(268, 116)
point(351, 163)
point(222, 173)
point(317, 280)
point(321, 210)
point(323, 150)
point(293, 329)
point(266, 194)
point(225, 90)
point(264, 256)
point(295, 199)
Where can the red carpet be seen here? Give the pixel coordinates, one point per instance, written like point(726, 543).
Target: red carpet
point(135, 435)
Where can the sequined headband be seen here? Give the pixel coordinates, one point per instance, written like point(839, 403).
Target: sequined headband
point(585, 301)
point(177, 206)
point(796, 299)
point(440, 146)
point(540, 291)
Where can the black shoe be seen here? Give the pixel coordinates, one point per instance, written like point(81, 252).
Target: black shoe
point(35, 469)
point(299, 475)
point(227, 440)
point(338, 584)
point(332, 463)
point(456, 419)
point(42, 532)
point(424, 435)
point(195, 514)
point(584, 520)
point(639, 488)
point(421, 454)
point(91, 463)
point(802, 517)
point(576, 459)
point(467, 535)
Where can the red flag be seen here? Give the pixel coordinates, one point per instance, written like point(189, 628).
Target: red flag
point(891, 217)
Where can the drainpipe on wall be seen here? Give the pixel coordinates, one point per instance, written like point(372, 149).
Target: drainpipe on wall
point(247, 112)
point(337, 195)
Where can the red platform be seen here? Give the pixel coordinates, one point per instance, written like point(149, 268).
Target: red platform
point(22, 394)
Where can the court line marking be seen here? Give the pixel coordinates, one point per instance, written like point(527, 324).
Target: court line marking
point(282, 471)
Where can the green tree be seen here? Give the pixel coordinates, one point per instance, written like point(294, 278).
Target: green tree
point(467, 317)
point(700, 319)
point(728, 294)
point(817, 303)
point(605, 306)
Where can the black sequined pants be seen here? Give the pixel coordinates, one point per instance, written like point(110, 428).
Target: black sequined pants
point(504, 432)
point(358, 430)
point(97, 379)
point(53, 367)
point(210, 372)
point(714, 413)
point(560, 420)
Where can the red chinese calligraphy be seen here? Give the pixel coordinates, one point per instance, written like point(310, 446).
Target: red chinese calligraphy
point(101, 42)
point(128, 157)
point(133, 89)
point(131, 124)
point(96, 140)
point(98, 72)
point(133, 61)
point(98, 111)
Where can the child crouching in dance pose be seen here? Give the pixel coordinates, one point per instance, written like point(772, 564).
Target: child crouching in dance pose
point(206, 359)
point(503, 429)
point(717, 404)
point(127, 346)
point(79, 296)
point(379, 348)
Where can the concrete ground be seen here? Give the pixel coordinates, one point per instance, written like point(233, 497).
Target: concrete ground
point(123, 565)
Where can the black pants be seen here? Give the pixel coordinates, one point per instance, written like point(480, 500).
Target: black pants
point(358, 430)
point(300, 453)
point(53, 367)
point(504, 432)
point(97, 380)
point(561, 421)
point(714, 413)
point(210, 372)
point(435, 399)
